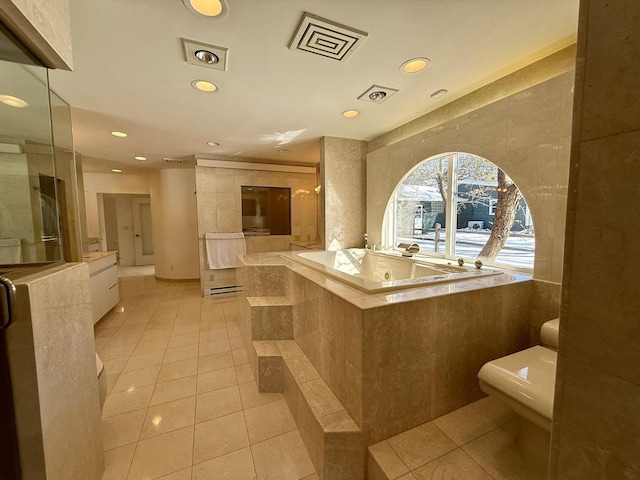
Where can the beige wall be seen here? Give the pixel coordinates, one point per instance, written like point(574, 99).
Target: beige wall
point(43, 26)
point(220, 211)
point(343, 176)
point(95, 183)
point(525, 133)
point(175, 224)
point(596, 430)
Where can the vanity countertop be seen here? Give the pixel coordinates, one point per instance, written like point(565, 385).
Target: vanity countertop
point(93, 256)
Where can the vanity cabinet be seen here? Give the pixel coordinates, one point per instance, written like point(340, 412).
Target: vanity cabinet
point(103, 277)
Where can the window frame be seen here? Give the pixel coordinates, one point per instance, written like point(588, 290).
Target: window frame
point(451, 215)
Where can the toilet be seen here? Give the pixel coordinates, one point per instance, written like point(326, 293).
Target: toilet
point(525, 381)
point(102, 381)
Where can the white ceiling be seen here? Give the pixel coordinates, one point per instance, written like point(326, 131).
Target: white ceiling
point(130, 73)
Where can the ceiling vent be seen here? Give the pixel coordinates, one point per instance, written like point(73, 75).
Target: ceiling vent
point(326, 38)
point(205, 55)
point(377, 94)
point(173, 161)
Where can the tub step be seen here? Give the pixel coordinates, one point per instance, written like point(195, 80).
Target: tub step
point(333, 440)
point(271, 318)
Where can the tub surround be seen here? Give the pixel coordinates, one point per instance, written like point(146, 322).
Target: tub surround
point(52, 360)
point(521, 123)
point(427, 343)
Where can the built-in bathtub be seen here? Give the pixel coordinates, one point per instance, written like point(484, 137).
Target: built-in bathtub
point(374, 272)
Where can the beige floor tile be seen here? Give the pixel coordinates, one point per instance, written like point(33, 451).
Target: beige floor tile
point(237, 465)
point(124, 340)
point(169, 416)
point(244, 373)
point(240, 357)
point(127, 401)
point(117, 462)
point(282, 458)
point(184, 330)
point(148, 346)
point(162, 455)
point(216, 380)
point(219, 436)
point(269, 420)
point(216, 334)
point(155, 334)
point(312, 477)
point(411, 476)
point(130, 330)
point(111, 353)
point(136, 378)
point(183, 340)
point(112, 367)
point(464, 424)
point(111, 381)
point(121, 430)
point(181, 475)
point(180, 353)
point(495, 410)
point(101, 332)
point(175, 370)
point(421, 444)
point(218, 361)
point(211, 348)
point(497, 452)
point(455, 465)
point(252, 398)
point(143, 361)
point(387, 460)
point(218, 403)
point(101, 343)
point(174, 390)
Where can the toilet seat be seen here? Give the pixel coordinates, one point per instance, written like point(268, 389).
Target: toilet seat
point(525, 381)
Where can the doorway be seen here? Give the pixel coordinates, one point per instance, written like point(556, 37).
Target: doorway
point(126, 227)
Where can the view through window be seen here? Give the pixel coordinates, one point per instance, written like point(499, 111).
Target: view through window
point(491, 218)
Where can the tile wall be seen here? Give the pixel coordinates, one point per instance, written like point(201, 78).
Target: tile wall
point(596, 418)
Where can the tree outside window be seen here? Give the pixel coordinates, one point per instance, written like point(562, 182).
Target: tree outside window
point(489, 215)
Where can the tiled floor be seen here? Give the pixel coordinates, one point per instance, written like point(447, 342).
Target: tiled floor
point(476, 442)
point(136, 270)
point(182, 402)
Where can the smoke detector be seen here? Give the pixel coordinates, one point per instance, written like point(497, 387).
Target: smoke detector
point(377, 94)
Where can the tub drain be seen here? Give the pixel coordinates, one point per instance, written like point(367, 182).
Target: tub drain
point(387, 275)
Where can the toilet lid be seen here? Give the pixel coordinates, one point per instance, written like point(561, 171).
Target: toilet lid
point(528, 377)
point(99, 365)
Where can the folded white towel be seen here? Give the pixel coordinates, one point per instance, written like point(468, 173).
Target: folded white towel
point(222, 249)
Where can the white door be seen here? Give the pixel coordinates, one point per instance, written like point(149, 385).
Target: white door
point(143, 240)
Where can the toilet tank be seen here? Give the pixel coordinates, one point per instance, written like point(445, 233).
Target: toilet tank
point(10, 251)
point(549, 333)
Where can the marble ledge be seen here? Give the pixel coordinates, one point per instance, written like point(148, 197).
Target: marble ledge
point(365, 301)
point(93, 256)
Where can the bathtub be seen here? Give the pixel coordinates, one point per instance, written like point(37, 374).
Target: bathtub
point(375, 272)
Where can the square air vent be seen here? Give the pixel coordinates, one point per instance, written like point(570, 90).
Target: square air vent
point(205, 55)
point(326, 38)
point(377, 94)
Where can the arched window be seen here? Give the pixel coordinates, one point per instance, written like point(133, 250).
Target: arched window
point(490, 217)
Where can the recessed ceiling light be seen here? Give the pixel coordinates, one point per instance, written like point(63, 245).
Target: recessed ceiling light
point(213, 144)
point(13, 101)
point(116, 170)
point(208, 8)
point(439, 93)
point(350, 113)
point(206, 56)
point(283, 150)
point(415, 65)
point(115, 133)
point(204, 86)
point(140, 158)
